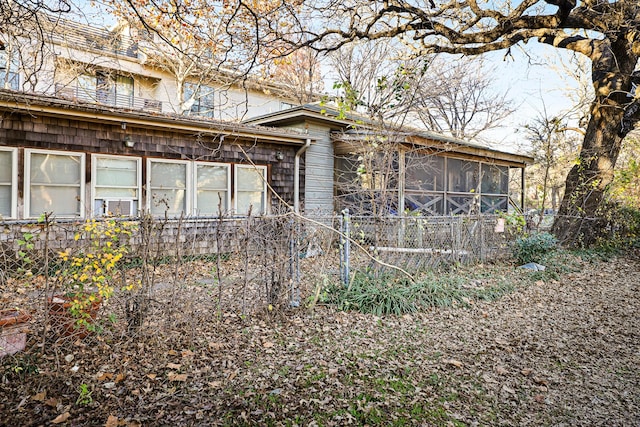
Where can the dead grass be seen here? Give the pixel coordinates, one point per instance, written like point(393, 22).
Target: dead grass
point(552, 352)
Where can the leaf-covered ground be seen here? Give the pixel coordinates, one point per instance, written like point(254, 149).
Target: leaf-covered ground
point(559, 351)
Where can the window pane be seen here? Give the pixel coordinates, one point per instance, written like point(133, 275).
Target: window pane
point(124, 91)
point(208, 202)
point(212, 189)
point(168, 175)
point(168, 188)
point(495, 179)
point(5, 200)
point(55, 184)
point(6, 167)
point(249, 179)
point(55, 168)
point(250, 184)
point(462, 175)
point(125, 193)
point(86, 87)
point(424, 172)
point(212, 177)
point(246, 199)
point(170, 201)
point(116, 172)
point(64, 201)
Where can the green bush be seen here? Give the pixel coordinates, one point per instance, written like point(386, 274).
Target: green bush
point(534, 247)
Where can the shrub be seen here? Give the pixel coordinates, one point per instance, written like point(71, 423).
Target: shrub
point(534, 247)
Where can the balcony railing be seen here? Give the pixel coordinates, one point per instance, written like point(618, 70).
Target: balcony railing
point(105, 97)
point(79, 36)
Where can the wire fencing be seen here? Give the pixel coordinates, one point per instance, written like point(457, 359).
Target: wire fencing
point(189, 272)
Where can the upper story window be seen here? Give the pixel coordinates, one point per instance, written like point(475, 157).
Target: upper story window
point(106, 88)
point(8, 182)
point(199, 98)
point(9, 67)
point(54, 182)
point(116, 185)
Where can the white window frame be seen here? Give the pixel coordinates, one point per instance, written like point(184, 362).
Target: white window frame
point(14, 180)
point(195, 184)
point(188, 195)
point(265, 207)
point(27, 180)
point(94, 184)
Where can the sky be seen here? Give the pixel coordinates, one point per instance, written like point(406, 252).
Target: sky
point(534, 88)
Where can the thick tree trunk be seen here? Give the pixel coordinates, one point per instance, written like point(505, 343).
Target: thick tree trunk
point(613, 115)
point(577, 223)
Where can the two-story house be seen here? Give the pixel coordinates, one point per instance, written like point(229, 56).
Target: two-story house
point(106, 126)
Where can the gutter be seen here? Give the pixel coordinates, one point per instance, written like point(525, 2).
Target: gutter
point(296, 176)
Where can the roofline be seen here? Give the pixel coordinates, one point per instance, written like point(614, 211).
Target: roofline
point(52, 106)
point(329, 116)
point(305, 112)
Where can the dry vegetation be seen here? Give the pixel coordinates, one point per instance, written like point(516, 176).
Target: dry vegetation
point(561, 349)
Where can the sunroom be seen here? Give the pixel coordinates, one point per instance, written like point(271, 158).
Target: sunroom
point(425, 174)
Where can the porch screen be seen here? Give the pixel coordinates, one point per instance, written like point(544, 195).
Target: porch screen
point(424, 183)
point(250, 189)
point(55, 184)
point(212, 183)
point(168, 188)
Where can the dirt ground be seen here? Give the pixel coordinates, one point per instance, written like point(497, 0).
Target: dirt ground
point(562, 352)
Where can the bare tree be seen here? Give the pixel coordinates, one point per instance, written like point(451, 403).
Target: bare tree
point(300, 71)
point(459, 98)
point(606, 32)
point(554, 148)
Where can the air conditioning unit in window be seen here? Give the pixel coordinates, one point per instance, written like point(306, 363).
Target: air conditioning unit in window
point(116, 207)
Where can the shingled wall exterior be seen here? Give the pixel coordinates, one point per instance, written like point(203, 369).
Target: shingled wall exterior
point(53, 133)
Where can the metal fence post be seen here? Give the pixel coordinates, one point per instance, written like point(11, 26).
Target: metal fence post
point(294, 263)
point(345, 246)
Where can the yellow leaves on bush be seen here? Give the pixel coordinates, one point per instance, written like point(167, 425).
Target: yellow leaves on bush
point(90, 268)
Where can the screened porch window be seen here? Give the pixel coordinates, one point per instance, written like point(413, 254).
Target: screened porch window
point(424, 183)
point(53, 183)
point(167, 187)
point(462, 176)
point(117, 182)
point(251, 189)
point(494, 188)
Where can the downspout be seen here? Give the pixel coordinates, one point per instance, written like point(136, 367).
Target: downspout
point(296, 176)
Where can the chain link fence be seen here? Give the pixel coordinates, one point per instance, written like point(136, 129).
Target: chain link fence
point(188, 272)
